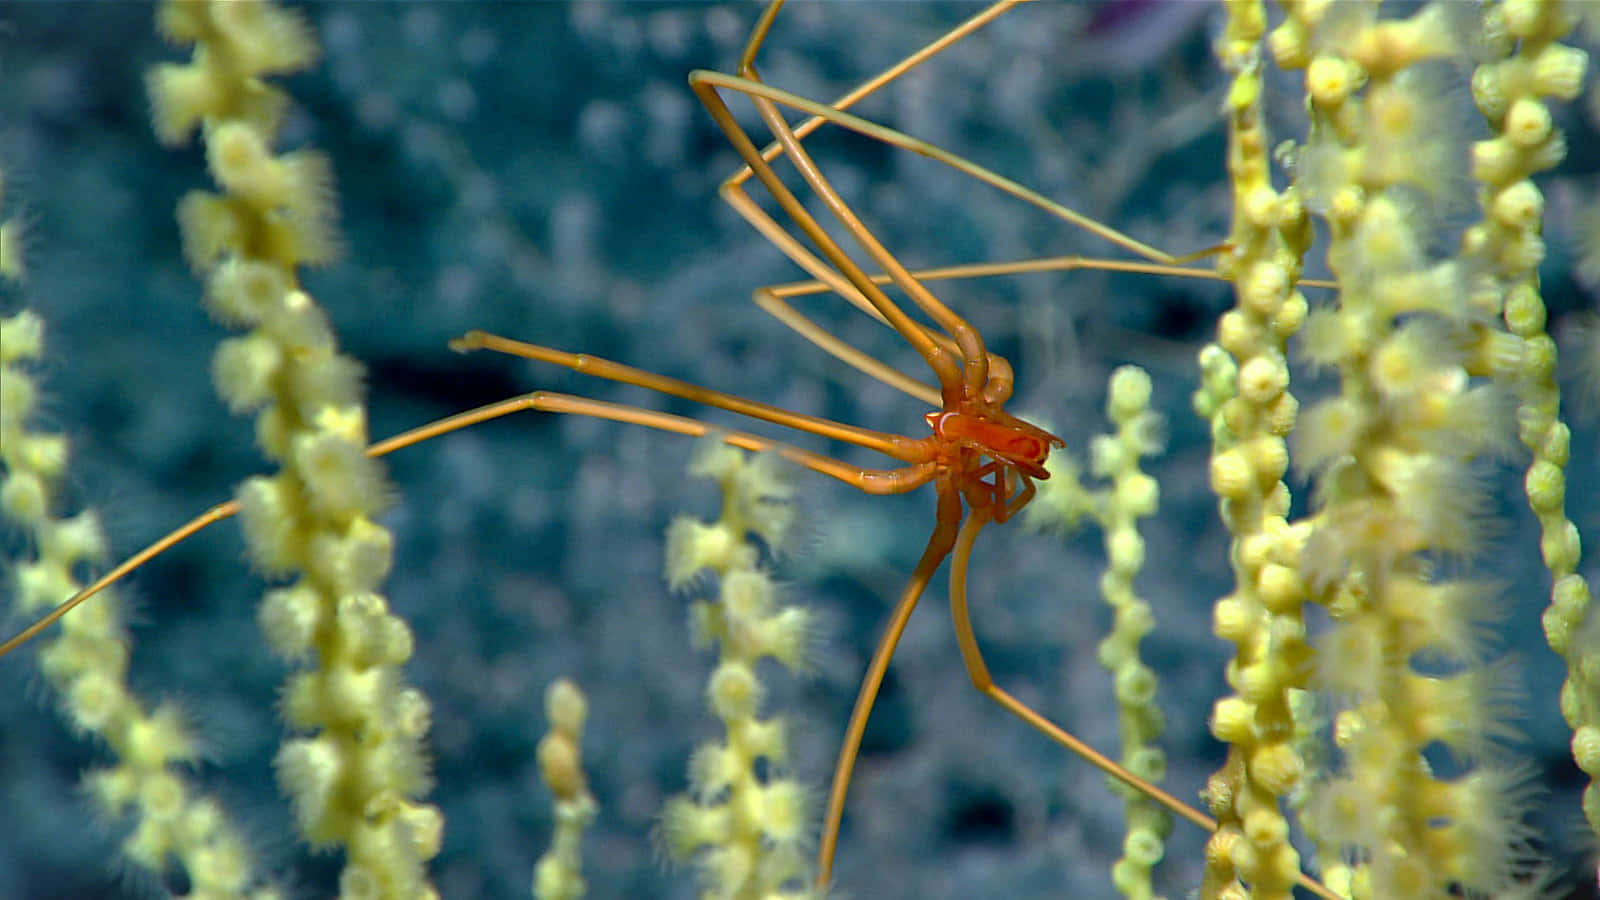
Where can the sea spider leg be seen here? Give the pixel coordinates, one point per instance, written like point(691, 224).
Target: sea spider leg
point(904, 449)
point(978, 671)
point(920, 455)
point(871, 85)
point(853, 283)
point(708, 81)
point(774, 300)
point(732, 188)
point(941, 361)
point(918, 471)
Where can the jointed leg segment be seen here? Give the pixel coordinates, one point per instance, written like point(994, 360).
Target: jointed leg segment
point(919, 471)
point(891, 445)
point(939, 546)
point(872, 481)
point(978, 671)
point(774, 300)
point(944, 366)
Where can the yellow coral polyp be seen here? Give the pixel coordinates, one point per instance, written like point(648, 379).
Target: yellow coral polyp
point(1558, 71)
point(342, 482)
point(734, 691)
point(262, 38)
point(309, 770)
point(1232, 619)
point(352, 560)
point(245, 371)
point(244, 292)
point(1390, 46)
point(1231, 475)
point(1528, 123)
point(181, 96)
point(1332, 79)
point(23, 498)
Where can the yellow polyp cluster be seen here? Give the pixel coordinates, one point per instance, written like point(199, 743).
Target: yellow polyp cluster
point(1393, 452)
point(147, 785)
point(559, 873)
point(1062, 503)
point(250, 40)
point(746, 833)
point(1252, 410)
point(1438, 31)
point(355, 771)
point(1384, 158)
point(1512, 92)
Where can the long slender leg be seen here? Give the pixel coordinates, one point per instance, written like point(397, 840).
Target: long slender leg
point(788, 139)
point(945, 368)
point(229, 509)
point(759, 219)
point(891, 445)
point(870, 86)
point(975, 357)
point(774, 300)
point(172, 538)
point(1016, 267)
point(842, 351)
point(772, 303)
point(712, 80)
point(939, 544)
point(978, 671)
point(805, 259)
point(872, 481)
